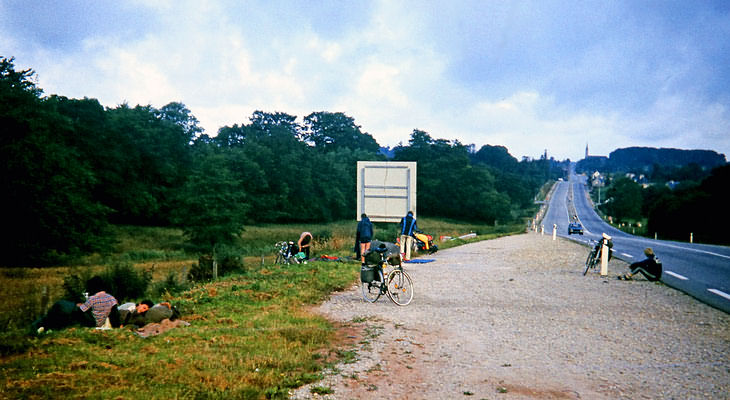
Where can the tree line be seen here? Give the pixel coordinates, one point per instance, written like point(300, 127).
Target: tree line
point(696, 206)
point(72, 167)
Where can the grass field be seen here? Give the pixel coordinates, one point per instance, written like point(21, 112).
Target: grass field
point(251, 334)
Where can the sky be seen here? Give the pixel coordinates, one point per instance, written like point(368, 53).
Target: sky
point(533, 76)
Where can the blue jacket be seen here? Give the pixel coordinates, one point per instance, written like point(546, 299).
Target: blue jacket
point(408, 224)
point(364, 229)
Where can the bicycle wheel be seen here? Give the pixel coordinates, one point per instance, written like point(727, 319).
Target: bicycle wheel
point(400, 287)
point(371, 291)
point(590, 261)
point(279, 259)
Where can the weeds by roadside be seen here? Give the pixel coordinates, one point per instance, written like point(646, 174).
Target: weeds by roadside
point(251, 336)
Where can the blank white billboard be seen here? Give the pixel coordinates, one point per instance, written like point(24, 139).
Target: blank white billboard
point(386, 190)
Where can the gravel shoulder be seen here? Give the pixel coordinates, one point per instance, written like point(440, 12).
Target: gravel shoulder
point(514, 318)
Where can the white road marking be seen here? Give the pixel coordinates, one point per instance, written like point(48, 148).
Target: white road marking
point(627, 255)
point(720, 293)
point(676, 275)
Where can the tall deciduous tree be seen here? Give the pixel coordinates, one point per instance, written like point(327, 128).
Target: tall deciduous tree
point(330, 131)
point(48, 211)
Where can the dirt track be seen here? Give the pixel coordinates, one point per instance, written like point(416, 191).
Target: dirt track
point(515, 318)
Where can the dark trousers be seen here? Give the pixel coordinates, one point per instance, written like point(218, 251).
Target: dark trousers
point(649, 268)
point(62, 314)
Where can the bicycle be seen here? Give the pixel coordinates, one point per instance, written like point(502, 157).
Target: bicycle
point(594, 256)
point(286, 255)
point(397, 285)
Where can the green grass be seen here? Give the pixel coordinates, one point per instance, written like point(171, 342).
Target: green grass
point(251, 334)
point(250, 338)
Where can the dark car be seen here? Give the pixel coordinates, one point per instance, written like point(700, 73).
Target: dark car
point(575, 227)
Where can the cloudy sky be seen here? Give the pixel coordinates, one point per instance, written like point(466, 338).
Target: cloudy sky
point(529, 75)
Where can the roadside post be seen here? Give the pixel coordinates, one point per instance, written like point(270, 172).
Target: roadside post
point(604, 255)
point(542, 230)
point(555, 231)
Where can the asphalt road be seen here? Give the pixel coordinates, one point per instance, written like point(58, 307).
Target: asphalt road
point(702, 271)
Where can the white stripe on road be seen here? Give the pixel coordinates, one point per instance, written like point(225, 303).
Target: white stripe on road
point(676, 275)
point(627, 255)
point(720, 293)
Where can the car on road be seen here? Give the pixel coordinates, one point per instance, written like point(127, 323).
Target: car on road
point(575, 227)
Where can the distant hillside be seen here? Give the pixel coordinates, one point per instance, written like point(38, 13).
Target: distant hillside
point(637, 159)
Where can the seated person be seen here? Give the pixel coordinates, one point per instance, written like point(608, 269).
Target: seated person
point(65, 313)
point(651, 267)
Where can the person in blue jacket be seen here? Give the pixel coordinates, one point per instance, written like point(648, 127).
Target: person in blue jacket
point(407, 227)
point(364, 235)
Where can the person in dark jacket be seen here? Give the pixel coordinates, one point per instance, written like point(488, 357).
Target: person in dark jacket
point(407, 228)
point(145, 313)
point(364, 235)
point(66, 313)
point(650, 267)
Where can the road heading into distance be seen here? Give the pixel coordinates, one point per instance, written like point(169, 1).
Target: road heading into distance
point(702, 271)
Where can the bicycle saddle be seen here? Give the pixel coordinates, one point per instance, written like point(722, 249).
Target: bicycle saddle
point(382, 248)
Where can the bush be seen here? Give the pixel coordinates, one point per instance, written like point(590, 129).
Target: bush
point(124, 282)
point(170, 285)
point(322, 235)
point(74, 285)
point(229, 260)
point(121, 281)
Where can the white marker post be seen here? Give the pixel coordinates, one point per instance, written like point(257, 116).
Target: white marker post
point(555, 231)
point(604, 255)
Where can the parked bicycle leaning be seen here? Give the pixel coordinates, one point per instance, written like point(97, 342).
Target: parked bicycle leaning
point(594, 257)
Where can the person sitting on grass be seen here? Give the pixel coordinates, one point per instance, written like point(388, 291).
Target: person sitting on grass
point(65, 313)
point(651, 267)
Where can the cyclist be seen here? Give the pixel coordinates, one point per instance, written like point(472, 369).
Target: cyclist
point(407, 228)
point(305, 243)
point(364, 235)
point(650, 267)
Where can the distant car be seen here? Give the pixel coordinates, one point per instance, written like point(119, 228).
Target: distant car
point(575, 227)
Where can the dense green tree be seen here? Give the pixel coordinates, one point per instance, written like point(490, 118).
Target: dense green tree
point(448, 185)
point(48, 211)
point(624, 199)
point(212, 204)
point(330, 131)
point(146, 158)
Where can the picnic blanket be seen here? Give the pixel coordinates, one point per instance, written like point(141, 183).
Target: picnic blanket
point(155, 329)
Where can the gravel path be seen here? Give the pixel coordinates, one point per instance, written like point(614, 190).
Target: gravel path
point(514, 318)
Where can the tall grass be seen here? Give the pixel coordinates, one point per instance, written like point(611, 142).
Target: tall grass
point(252, 335)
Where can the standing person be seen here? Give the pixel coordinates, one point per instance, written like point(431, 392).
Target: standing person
point(364, 235)
point(650, 267)
point(407, 227)
point(305, 243)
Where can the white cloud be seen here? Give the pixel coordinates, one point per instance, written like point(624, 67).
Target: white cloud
point(396, 72)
